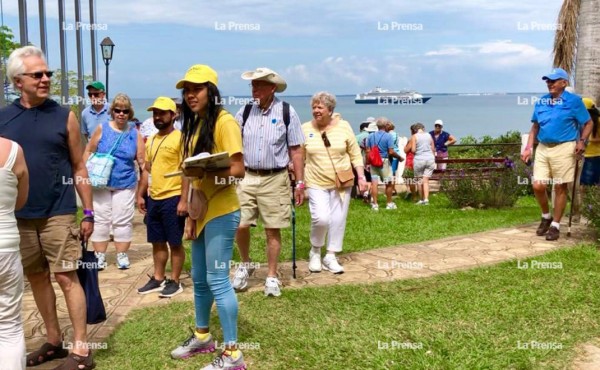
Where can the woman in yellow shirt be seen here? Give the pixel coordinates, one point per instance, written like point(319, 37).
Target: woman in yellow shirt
point(330, 147)
point(207, 127)
point(590, 174)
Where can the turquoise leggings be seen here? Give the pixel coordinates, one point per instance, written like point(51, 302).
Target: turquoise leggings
point(211, 255)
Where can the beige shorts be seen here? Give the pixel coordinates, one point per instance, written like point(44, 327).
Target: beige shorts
point(554, 163)
point(382, 174)
point(49, 244)
point(266, 197)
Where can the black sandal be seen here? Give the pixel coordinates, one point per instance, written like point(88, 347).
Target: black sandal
point(75, 362)
point(47, 352)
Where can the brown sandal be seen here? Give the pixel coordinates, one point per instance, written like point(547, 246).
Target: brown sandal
point(47, 352)
point(76, 362)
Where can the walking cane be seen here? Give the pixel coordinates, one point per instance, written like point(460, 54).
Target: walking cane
point(573, 196)
point(293, 182)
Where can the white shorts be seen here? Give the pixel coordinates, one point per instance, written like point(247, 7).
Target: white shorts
point(113, 208)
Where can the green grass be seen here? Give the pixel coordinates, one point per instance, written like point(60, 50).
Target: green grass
point(476, 319)
point(410, 223)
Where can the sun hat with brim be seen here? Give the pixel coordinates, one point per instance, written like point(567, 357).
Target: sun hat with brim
point(96, 85)
point(163, 103)
point(556, 74)
point(198, 74)
point(589, 103)
point(438, 122)
point(369, 120)
point(266, 74)
point(372, 127)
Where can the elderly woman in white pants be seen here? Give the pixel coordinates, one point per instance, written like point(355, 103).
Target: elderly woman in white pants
point(14, 187)
point(330, 152)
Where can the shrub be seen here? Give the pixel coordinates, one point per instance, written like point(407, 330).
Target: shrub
point(591, 205)
point(491, 189)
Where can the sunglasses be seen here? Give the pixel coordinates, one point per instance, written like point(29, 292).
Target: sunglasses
point(95, 95)
point(325, 140)
point(118, 111)
point(38, 75)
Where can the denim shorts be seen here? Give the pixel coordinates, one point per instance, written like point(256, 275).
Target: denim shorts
point(590, 174)
point(163, 224)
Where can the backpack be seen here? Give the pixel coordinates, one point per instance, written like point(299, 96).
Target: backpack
point(374, 155)
point(286, 117)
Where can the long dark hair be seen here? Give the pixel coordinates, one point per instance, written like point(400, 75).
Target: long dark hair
point(595, 114)
point(191, 121)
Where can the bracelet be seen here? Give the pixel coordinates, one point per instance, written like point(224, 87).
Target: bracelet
point(88, 213)
point(300, 185)
point(88, 219)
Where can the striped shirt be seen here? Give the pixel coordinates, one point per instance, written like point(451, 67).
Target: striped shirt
point(264, 135)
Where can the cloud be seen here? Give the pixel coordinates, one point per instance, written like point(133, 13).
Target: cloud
point(445, 51)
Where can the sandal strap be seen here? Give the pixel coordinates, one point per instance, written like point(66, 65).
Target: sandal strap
point(33, 359)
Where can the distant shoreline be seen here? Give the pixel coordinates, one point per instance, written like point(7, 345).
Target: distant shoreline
point(425, 94)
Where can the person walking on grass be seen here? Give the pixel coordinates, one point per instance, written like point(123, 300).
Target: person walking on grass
point(209, 128)
point(51, 140)
point(330, 148)
point(167, 205)
point(384, 142)
point(421, 143)
point(561, 125)
point(272, 136)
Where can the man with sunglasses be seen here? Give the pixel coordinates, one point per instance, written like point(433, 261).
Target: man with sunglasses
point(97, 113)
point(271, 140)
point(51, 141)
point(561, 125)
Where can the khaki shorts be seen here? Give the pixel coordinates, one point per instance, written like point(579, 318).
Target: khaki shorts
point(383, 174)
point(268, 197)
point(555, 164)
point(49, 244)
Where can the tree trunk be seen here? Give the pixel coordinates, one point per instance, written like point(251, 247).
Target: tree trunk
point(587, 61)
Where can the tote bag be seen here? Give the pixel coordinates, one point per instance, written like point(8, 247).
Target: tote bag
point(88, 277)
point(99, 165)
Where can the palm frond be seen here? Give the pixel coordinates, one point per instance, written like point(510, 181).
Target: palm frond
point(565, 39)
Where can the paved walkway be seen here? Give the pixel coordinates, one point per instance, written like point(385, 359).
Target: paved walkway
point(402, 262)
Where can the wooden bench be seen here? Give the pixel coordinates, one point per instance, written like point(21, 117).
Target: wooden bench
point(461, 172)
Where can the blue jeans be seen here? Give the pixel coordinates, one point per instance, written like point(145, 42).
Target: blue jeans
point(211, 253)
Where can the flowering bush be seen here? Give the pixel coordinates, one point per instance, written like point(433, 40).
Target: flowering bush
point(489, 189)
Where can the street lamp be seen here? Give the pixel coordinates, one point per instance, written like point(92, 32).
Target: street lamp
point(107, 53)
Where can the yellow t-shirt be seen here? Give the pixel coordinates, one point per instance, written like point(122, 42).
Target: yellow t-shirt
point(344, 150)
point(165, 154)
point(593, 147)
point(228, 138)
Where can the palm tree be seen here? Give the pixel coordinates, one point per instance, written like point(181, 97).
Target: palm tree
point(577, 44)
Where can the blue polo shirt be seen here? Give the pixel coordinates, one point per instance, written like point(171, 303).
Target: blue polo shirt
point(383, 140)
point(90, 119)
point(559, 120)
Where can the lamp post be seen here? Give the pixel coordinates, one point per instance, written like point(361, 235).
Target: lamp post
point(107, 53)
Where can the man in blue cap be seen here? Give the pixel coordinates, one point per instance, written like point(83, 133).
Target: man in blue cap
point(561, 125)
point(97, 113)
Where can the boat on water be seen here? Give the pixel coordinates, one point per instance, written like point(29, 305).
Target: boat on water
point(387, 97)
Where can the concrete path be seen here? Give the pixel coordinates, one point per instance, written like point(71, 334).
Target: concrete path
point(402, 262)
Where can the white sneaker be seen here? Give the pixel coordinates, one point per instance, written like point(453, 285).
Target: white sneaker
point(240, 278)
point(314, 264)
point(375, 206)
point(425, 202)
point(122, 261)
point(330, 263)
point(391, 205)
point(272, 287)
point(420, 202)
point(101, 260)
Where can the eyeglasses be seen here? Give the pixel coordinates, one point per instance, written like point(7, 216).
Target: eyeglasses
point(95, 95)
point(259, 84)
point(124, 111)
point(38, 75)
point(550, 82)
point(325, 140)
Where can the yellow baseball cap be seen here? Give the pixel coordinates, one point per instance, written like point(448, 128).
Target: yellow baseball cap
point(163, 103)
point(198, 74)
point(589, 103)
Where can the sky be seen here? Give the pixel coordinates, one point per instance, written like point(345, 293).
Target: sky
point(344, 47)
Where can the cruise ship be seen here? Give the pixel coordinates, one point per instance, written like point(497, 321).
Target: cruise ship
point(387, 97)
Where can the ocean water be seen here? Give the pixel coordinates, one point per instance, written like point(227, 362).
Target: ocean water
point(475, 115)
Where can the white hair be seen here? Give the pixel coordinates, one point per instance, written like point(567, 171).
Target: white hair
point(15, 65)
